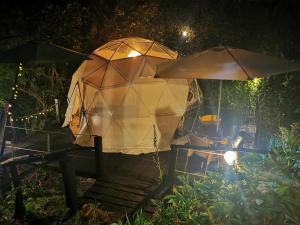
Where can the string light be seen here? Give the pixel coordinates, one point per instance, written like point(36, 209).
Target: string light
point(35, 115)
point(20, 67)
point(14, 96)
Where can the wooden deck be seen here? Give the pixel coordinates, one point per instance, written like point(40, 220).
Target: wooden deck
point(128, 183)
point(119, 193)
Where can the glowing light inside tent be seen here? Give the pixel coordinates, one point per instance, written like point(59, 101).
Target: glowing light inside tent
point(134, 54)
point(230, 157)
point(184, 33)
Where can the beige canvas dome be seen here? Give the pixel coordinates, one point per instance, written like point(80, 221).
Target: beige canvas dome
point(114, 95)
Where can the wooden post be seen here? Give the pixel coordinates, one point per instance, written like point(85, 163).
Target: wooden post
point(19, 204)
point(57, 110)
point(172, 163)
point(69, 178)
point(48, 143)
point(98, 155)
point(3, 145)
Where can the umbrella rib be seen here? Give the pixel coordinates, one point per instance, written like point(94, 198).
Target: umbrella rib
point(240, 65)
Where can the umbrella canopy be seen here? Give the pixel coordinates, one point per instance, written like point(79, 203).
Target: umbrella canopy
point(40, 52)
point(224, 63)
point(115, 96)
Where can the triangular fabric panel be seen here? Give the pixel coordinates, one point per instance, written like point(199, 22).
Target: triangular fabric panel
point(108, 52)
point(112, 78)
point(141, 47)
point(132, 106)
point(84, 138)
point(171, 53)
point(91, 66)
point(88, 96)
point(99, 106)
point(166, 126)
point(129, 68)
point(177, 88)
point(168, 104)
point(116, 137)
point(156, 51)
point(123, 52)
point(149, 69)
point(150, 93)
point(114, 98)
point(96, 78)
point(137, 127)
point(100, 125)
point(148, 140)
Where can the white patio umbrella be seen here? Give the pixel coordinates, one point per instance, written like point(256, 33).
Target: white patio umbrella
point(225, 63)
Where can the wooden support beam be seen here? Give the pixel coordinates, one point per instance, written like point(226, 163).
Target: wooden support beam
point(69, 179)
point(98, 156)
point(19, 204)
point(172, 163)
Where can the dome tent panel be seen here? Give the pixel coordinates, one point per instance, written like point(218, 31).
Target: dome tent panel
point(124, 101)
point(116, 137)
point(171, 53)
point(108, 52)
point(112, 78)
point(96, 77)
point(156, 51)
point(100, 124)
point(176, 88)
point(99, 106)
point(124, 51)
point(137, 127)
point(114, 97)
point(133, 106)
point(150, 92)
point(168, 105)
point(141, 47)
point(129, 68)
point(166, 125)
point(149, 69)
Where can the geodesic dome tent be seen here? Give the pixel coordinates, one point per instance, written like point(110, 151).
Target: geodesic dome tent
point(115, 96)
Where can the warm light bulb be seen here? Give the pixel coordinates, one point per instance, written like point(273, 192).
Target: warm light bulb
point(134, 54)
point(184, 33)
point(230, 157)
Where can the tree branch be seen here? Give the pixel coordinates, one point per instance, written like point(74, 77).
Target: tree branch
point(35, 95)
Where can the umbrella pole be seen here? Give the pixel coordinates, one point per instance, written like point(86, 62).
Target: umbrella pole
point(219, 105)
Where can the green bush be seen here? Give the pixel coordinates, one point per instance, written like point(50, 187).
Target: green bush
point(259, 190)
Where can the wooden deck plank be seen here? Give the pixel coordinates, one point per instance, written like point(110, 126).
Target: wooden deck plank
point(129, 182)
point(115, 193)
point(101, 197)
point(105, 205)
point(121, 188)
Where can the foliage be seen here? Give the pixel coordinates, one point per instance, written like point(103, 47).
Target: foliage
point(259, 190)
point(139, 219)
point(156, 158)
point(92, 213)
point(276, 107)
